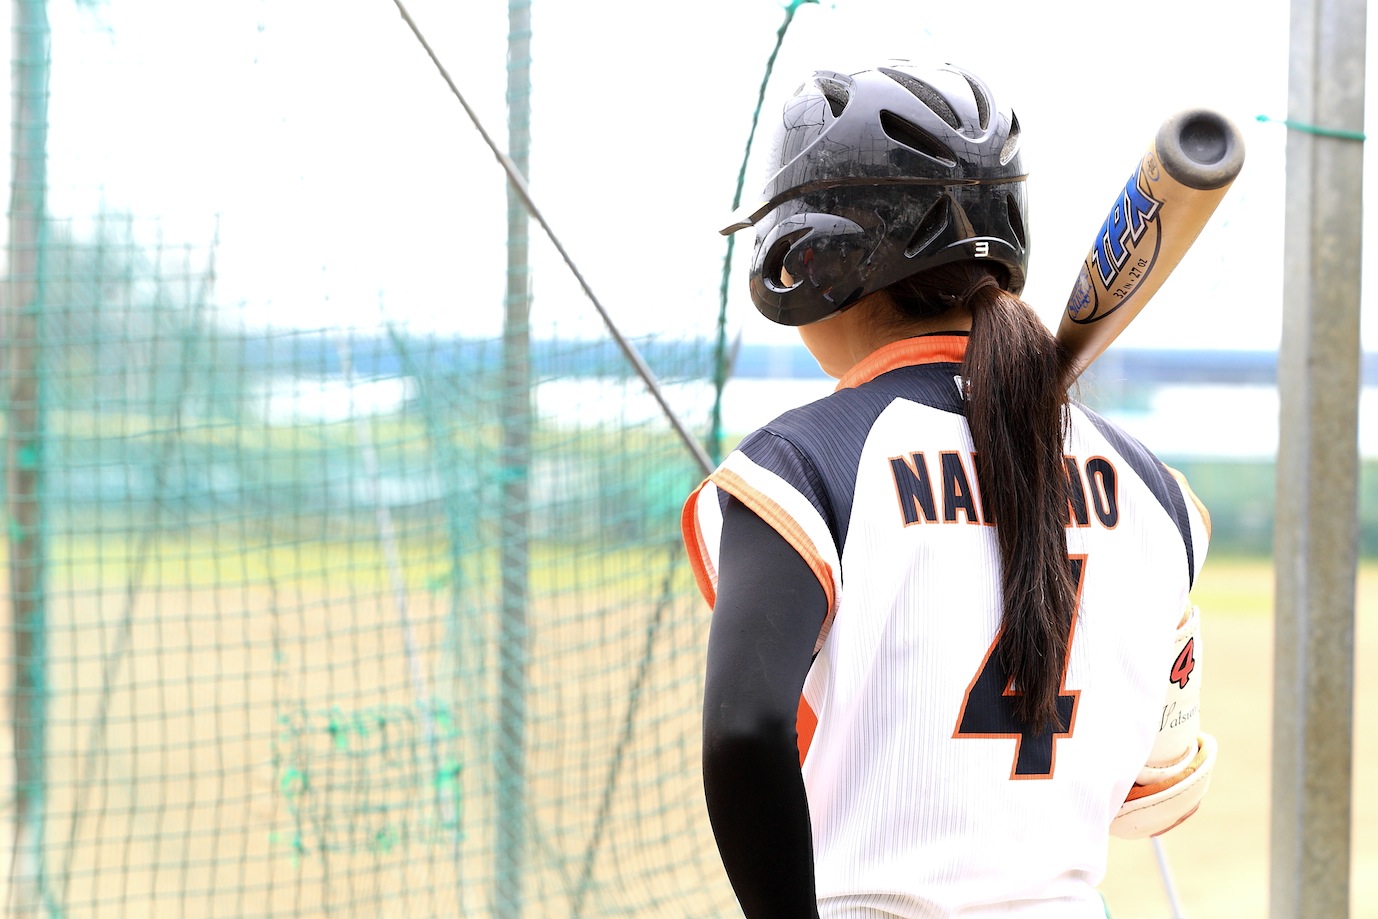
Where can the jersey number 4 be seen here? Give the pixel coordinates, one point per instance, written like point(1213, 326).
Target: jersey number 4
point(988, 707)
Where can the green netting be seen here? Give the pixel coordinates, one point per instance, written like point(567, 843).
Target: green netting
point(368, 616)
point(272, 583)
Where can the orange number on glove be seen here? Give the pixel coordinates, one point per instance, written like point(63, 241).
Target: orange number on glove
point(1184, 665)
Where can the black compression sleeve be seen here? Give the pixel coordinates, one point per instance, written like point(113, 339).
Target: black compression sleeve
point(769, 610)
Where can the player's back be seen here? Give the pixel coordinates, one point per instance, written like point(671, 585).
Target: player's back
point(928, 797)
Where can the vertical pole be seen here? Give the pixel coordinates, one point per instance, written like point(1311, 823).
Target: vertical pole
point(1316, 537)
point(515, 470)
point(23, 451)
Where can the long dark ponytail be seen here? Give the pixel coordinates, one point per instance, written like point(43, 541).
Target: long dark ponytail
point(1016, 409)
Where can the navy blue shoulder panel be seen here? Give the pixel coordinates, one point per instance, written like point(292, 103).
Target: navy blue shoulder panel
point(821, 442)
point(1160, 482)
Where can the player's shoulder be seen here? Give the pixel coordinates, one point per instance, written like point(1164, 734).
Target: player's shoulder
point(846, 415)
point(1168, 487)
point(1090, 425)
point(1118, 438)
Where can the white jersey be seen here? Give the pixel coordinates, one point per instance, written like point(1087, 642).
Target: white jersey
point(927, 797)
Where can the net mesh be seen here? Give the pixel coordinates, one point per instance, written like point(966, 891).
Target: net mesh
point(321, 608)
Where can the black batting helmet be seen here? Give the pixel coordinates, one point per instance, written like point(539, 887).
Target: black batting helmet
point(878, 175)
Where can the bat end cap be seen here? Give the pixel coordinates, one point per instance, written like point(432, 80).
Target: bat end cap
point(1200, 148)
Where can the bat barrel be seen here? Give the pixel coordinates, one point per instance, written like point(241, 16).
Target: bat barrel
point(1153, 221)
point(1200, 148)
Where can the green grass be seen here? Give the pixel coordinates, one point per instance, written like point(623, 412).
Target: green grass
point(204, 561)
point(1235, 585)
point(1243, 585)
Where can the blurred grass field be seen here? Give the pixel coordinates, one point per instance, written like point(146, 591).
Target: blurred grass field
point(188, 656)
point(1220, 857)
point(262, 749)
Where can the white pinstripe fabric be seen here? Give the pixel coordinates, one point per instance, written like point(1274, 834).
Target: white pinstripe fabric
point(910, 821)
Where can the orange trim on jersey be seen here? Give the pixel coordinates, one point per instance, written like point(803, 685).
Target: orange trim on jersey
point(1095, 491)
point(697, 549)
point(1018, 736)
point(927, 349)
point(775, 515)
point(805, 724)
point(1186, 489)
point(1009, 691)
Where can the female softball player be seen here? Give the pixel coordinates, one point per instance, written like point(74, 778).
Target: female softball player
point(952, 649)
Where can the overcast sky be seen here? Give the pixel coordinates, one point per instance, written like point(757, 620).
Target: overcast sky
point(345, 179)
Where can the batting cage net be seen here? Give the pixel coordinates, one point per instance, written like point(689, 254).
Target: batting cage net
point(344, 568)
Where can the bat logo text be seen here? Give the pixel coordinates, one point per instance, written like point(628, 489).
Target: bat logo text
point(1123, 228)
point(1122, 255)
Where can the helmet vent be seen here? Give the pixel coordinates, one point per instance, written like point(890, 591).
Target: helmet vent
point(916, 138)
point(1011, 146)
point(930, 228)
point(927, 95)
point(836, 94)
point(982, 103)
point(773, 265)
point(1016, 219)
